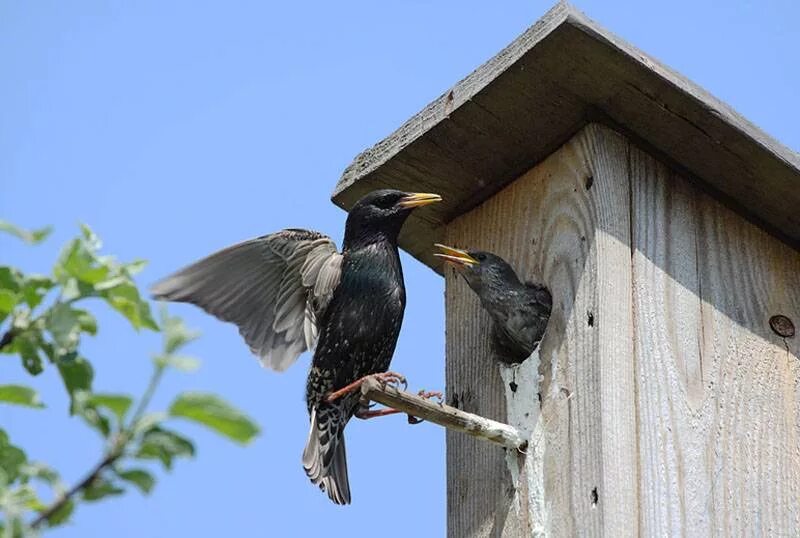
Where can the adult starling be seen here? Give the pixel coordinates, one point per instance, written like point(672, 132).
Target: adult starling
point(292, 290)
point(519, 311)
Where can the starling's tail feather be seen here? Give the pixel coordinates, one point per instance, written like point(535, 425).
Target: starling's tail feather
point(325, 458)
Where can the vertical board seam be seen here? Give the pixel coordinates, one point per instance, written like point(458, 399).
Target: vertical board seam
point(634, 346)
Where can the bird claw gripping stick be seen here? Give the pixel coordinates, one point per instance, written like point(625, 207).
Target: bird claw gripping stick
point(392, 379)
point(386, 378)
point(427, 394)
point(293, 291)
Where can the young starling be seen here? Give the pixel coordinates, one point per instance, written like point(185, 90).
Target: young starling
point(519, 311)
point(292, 290)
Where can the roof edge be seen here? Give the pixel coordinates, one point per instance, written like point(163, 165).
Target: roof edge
point(437, 110)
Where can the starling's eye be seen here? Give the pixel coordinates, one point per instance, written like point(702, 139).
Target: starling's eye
point(480, 257)
point(386, 202)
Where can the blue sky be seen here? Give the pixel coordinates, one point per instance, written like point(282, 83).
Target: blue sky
point(176, 128)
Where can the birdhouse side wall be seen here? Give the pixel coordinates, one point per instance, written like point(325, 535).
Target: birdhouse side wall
point(668, 406)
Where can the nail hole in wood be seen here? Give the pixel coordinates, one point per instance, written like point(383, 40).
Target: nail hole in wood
point(513, 386)
point(589, 182)
point(590, 318)
point(782, 326)
point(594, 497)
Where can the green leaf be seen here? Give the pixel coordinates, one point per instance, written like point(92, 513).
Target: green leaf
point(149, 421)
point(90, 238)
point(62, 515)
point(86, 321)
point(93, 416)
point(35, 469)
point(20, 395)
point(176, 333)
point(164, 445)
point(79, 261)
point(12, 459)
point(212, 411)
point(139, 478)
point(72, 290)
point(8, 300)
point(10, 278)
point(34, 288)
point(29, 236)
point(100, 488)
point(179, 362)
point(125, 299)
point(26, 345)
point(77, 374)
point(64, 324)
point(116, 403)
point(134, 267)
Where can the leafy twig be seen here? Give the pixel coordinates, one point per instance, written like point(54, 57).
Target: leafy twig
point(117, 450)
point(93, 475)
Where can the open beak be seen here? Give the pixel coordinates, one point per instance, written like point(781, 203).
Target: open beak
point(418, 199)
point(456, 256)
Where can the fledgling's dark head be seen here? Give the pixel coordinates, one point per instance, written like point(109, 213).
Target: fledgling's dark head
point(380, 214)
point(483, 271)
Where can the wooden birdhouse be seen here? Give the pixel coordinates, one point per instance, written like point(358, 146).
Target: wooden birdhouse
point(664, 399)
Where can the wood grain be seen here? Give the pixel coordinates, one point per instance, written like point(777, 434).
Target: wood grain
point(669, 406)
point(444, 415)
point(717, 390)
point(523, 104)
point(553, 229)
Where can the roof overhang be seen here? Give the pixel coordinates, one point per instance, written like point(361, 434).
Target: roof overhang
point(562, 73)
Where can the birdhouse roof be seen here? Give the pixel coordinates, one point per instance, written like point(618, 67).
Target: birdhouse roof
point(562, 73)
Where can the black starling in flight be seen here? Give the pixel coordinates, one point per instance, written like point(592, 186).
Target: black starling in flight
point(519, 310)
point(292, 290)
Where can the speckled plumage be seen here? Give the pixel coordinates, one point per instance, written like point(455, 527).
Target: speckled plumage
point(292, 290)
point(519, 311)
point(358, 334)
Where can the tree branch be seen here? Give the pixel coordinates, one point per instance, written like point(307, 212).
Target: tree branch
point(8, 338)
point(116, 451)
point(444, 415)
point(106, 462)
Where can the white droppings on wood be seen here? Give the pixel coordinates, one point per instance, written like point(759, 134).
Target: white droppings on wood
point(669, 406)
point(574, 239)
point(521, 383)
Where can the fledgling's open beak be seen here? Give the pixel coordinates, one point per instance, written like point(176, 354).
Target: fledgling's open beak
point(418, 199)
point(456, 256)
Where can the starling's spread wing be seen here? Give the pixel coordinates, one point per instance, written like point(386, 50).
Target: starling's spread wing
point(273, 287)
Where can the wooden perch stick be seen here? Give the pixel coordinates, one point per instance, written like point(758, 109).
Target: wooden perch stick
point(443, 415)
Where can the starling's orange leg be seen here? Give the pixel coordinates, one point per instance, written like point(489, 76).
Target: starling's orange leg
point(363, 414)
point(385, 379)
point(367, 414)
point(427, 394)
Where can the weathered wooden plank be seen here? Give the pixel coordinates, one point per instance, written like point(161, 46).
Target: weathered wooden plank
point(517, 108)
point(556, 225)
point(718, 397)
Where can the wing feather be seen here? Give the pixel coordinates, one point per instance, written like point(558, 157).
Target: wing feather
point(274, 288)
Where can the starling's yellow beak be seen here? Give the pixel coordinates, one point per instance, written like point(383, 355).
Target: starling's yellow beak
point(456, 256)
point(418, 199)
